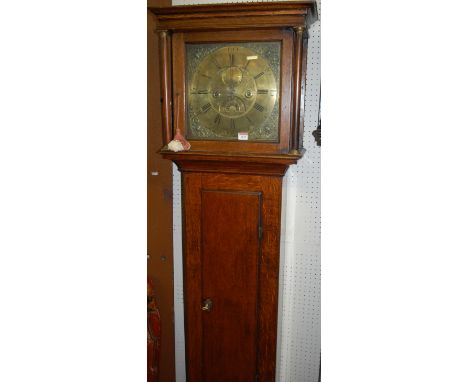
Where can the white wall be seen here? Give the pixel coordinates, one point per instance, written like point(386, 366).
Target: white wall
point(299, 312)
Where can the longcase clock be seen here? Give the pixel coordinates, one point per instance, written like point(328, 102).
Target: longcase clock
point(233, 83)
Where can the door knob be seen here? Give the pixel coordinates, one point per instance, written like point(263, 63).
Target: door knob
point(207, 305)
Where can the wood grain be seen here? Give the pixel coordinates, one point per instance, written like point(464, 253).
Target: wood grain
point(238, 16)
point(192, 274)
point(165, 84)
point(230, 262)
point(159, 212)
point(222, 217)
point(235, 163)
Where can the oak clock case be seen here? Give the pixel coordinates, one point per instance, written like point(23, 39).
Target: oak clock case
point(227, 70)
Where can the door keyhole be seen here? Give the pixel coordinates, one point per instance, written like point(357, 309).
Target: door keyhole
point(207, 305)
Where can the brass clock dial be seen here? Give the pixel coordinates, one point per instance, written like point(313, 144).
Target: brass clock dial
point(233, 88)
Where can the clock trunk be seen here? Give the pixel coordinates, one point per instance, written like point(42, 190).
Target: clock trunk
point(231, 275)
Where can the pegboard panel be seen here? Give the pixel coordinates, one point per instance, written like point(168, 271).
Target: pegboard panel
point(299, 332)
point(178, 277)
point(299, 309)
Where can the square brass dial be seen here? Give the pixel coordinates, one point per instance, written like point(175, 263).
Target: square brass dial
point(233, 88)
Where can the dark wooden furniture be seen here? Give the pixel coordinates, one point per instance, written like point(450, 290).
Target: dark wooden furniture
point(159, 206)
point(232, 190)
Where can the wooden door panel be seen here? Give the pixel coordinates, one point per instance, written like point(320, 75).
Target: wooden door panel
point(226, 260)
point(230, 261)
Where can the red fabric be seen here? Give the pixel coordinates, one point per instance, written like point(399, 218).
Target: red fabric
point(153, 337)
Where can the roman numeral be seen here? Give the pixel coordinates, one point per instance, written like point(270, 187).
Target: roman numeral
point(259, 75)
point(200, 92)
point(259, 107)
point(205, 75)
point(206, 107)
point(233, 124)
point(262, 91)
point(217, 120)
point(214, 61)
point(231, 59)
point(248, 119)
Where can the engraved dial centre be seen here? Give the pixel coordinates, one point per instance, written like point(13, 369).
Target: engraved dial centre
point(229, 89)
